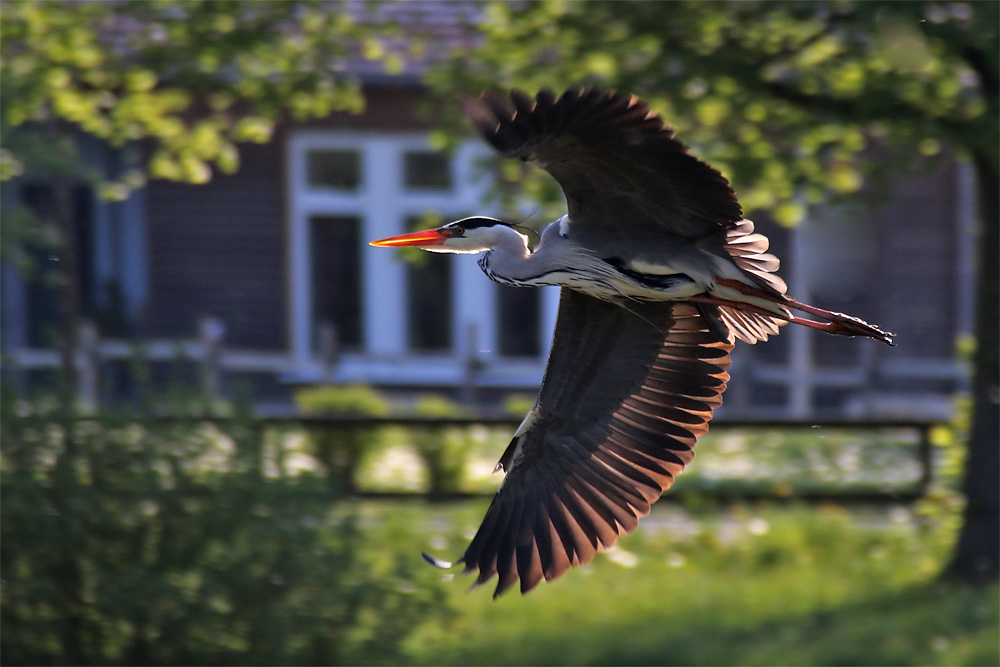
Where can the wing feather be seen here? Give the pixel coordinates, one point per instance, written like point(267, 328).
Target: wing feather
point(614, 158)
point(561, 535)
point(622, 170)
point(615, 424)
point(586, 535)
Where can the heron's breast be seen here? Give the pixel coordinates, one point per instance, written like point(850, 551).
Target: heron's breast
point(610, 279)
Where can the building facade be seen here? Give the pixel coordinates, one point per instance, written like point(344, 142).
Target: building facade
point(273, 262)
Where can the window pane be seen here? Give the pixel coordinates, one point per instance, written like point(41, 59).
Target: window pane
point(42, 302)
point(518, 321)
point(334, 169)
point(427, 170)
point(428, 304)
point(336, 277)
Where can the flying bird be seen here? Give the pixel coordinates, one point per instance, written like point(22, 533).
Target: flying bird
point(660, 273)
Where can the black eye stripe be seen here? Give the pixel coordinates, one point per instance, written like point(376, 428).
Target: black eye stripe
point(478, 223)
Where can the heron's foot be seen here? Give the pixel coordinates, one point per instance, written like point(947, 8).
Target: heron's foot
point(436, 562)
point(840, 324)
point(835, 323)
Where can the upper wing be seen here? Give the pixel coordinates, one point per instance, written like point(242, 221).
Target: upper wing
point(616, 161)
point(626, 394)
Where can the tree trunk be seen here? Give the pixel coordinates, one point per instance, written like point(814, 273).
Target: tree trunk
point(64, 220)
point(69, 572)
point(977, 551)
point(69, 289)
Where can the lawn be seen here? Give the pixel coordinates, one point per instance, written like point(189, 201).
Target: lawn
point(725, 586)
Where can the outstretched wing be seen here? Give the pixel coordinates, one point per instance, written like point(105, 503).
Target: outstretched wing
point(616, 161)
point(627, 392)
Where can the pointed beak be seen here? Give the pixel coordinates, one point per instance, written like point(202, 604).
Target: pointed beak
point(421, 238)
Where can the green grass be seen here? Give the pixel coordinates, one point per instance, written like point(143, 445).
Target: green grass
point(750, 587)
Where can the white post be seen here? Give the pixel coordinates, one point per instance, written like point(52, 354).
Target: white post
point(473, 363)
point(800, 352)
point(211, 331)
point(88, 366)
point(328, 343)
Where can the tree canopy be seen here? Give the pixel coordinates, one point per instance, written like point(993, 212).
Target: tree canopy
point(781, 97)
point(189, 79)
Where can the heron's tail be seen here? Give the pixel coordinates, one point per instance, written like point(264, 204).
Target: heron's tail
point(752, 298)
point(752, 312)
point(748, 251)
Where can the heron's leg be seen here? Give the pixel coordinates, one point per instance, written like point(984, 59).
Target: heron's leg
point(786, 301)
point(749, 307)
point(838, 324)
point(739, 305)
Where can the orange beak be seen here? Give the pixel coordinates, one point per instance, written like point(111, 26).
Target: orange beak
point(425, 237)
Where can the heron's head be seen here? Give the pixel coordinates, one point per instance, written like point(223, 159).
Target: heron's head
point(469, 235)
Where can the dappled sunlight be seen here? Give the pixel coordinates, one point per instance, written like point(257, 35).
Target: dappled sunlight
point(228, 515)
point(750, 585)
point(397, 467)
point(806, 459)
point(621, 557)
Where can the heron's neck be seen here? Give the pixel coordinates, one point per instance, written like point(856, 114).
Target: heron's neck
point(509, 260)
point(511, 243)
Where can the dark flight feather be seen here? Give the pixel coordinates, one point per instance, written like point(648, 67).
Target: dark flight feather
point(614, 158)
point(600, 451)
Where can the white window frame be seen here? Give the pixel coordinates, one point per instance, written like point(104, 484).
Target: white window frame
point(382, 203)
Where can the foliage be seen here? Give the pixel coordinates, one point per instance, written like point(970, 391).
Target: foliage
point(757, 462)
point(445, 451)
point(786, 99)
point(518, 404)
point(191, 79)
point(342, 448)
point(137, 541)
point(789, 462)
point(357, 400)
point(140, 540)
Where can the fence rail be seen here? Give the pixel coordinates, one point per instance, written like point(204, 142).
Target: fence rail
point(215, 359)
point(924, 450)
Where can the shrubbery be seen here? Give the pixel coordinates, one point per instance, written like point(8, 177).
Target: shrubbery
point(190, 540)
point(342, 448)
point(444, 450)
point(142, 541)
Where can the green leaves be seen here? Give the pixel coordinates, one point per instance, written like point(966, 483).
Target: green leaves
point(783, 97)
point(191, 79)
point(148, 542)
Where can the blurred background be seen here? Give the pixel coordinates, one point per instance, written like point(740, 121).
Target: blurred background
point(230, 427)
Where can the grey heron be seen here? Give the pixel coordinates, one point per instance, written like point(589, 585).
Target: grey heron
point(659, 273)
